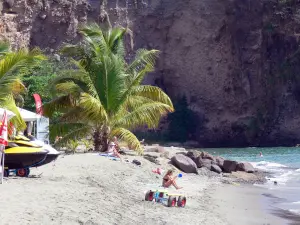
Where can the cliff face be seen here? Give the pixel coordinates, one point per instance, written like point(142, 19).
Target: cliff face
point(236, 61)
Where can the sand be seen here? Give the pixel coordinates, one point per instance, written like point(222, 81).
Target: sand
point(90, 189)
point(245, 205)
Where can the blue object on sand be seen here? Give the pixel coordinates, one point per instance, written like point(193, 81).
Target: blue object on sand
point(180, 175)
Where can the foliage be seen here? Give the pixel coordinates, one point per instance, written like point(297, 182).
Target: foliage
point(182, 122)
point(104, 95)
point(37, 80)
point(87, 144)
point(12, 64)
point(72, 145)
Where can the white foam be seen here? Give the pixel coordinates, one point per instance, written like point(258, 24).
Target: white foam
point(296, 203)
point(296, 211)
point(265, 164)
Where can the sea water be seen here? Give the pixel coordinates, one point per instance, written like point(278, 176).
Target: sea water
point(284, 166)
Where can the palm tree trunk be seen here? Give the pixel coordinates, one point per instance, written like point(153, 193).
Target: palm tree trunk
point(104, 138)
point(97, 140)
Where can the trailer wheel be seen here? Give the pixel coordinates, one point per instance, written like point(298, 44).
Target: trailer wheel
point(181, 202)
point(24, 172)
point(172, 201)
point(149, 196)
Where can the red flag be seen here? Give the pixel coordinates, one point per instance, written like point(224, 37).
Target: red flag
point(38, 104)
point(3, 130)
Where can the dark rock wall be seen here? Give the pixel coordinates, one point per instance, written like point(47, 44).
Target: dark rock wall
point(235, 60)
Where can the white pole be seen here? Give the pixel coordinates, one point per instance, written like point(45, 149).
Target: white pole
point(2, 162)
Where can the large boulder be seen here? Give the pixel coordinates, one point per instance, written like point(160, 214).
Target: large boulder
point(193, 154)
point(245, 166)
point(216, 168)
point(220, 161)
point(205, 155)
point(229, 166)
point(203, 163)
point(184, 163)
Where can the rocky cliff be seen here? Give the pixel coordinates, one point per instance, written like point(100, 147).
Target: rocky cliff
point(236, 61)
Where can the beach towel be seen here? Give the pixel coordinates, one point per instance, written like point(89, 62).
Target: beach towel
point(110, 156)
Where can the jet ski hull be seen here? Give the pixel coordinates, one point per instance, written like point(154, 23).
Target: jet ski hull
point(49, 158)
point(24, 160)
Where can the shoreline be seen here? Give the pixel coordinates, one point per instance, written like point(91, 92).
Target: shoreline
point(246, 205)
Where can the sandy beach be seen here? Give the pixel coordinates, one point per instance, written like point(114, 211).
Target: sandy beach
point(91, 189)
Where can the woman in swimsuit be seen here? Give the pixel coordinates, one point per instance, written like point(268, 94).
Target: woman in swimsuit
point(168, 180)
point(113, 148)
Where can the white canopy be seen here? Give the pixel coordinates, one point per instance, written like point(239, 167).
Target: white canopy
point(28, 116)
point(10, 114)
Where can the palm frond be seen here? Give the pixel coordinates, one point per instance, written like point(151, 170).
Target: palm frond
point(148, 114)
point(154, 93)
point(128, 137)
point(144, 59)
point(74, 134)
point(59, 104)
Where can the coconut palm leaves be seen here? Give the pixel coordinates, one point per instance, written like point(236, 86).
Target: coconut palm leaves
point(11, 66)
point(104, 94)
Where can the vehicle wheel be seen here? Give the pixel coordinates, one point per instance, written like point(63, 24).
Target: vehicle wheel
point(171, 201)
point(24, 172)
point(181, 202)
point(149, 196)
point(6, 173)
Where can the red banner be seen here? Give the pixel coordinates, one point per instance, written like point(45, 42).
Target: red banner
point(3, 129)
point(38, 104)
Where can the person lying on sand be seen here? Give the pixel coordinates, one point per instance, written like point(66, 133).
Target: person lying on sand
point(168, 180)
point(113, 148)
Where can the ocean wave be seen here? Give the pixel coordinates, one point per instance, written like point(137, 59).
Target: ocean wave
point(296, 211)
point(280, 173)
point(298, 203)
point(266, 164)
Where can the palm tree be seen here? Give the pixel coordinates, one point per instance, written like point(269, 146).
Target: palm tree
point(104, 95)
point(11, 66)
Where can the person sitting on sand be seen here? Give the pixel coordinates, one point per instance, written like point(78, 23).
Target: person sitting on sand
point(113, 148)
point(168, 180)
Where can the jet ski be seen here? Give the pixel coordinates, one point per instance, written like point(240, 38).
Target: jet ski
point(21, 158)
point(33, 142)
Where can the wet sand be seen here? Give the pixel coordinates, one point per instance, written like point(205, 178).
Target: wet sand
point(249, 205)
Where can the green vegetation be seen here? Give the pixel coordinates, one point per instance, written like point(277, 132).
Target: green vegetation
point(38, 78)
point(12, 66)
point(103, 95)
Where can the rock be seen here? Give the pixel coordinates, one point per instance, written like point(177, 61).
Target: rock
point(184, 163)
point(165, 154)
point(56, 57)
point(205, 155)
point(203, 162)
point(219, 161)
point(194, 154)
point(43, 16)
point(229, 166)
point(216, 168)
point(206, 172)
point(155, 148)
point(10, 3)
point(245, 166)
point(152, 157)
